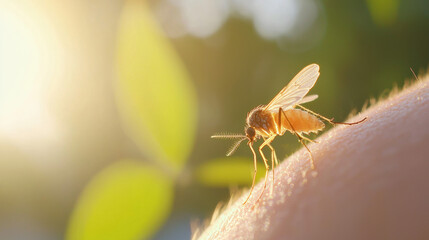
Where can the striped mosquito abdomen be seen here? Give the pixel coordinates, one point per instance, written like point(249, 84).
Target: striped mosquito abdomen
point(302, 121)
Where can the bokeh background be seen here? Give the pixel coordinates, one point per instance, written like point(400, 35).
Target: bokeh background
point(107, 107)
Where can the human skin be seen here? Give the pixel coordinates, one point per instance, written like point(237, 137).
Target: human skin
point(371, 182)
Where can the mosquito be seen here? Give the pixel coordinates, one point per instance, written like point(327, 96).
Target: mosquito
point(279, 116)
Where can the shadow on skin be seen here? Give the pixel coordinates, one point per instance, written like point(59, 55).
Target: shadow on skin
point(371, 182)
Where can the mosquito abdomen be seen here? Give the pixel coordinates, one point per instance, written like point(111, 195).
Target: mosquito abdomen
point(301, 121)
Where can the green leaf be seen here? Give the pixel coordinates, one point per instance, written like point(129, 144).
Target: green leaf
point(223, 172)
point(155, 96)
point(126, 201)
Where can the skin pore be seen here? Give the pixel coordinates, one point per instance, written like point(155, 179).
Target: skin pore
point(371, 181)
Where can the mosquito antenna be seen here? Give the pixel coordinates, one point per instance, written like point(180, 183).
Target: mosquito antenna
point(414, 74)
point(234, 147)
point(228, 135)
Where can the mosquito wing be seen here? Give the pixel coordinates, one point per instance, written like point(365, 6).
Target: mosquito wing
point(308, 98)
point(296, 90)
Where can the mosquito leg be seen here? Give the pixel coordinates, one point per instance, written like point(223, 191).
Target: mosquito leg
point(254, 172)
point(280, 121)
point(300, 139)
point(267, 168)
point(308, 139)
point(273, 155)
point(331, 121)
point(318, 115)
point(302, 142)
point(352, 123)
point(311, 155)
point(273, 160)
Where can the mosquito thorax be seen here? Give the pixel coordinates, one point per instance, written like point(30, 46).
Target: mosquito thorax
point(253, 116)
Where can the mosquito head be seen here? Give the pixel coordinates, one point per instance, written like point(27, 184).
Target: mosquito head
point(250, 134)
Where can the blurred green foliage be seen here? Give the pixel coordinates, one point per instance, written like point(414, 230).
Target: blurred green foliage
point(155, 97)
point(127, 200)
point(226, 172)
point(384, 12)
point(130, 200)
